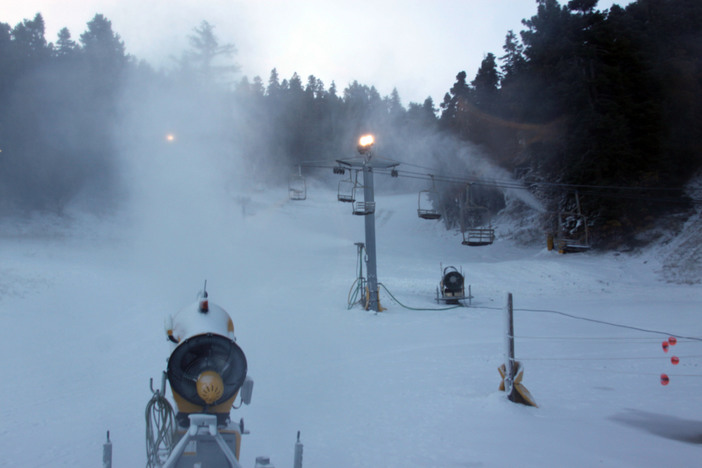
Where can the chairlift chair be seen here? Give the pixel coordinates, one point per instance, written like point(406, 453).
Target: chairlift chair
point(297, 186)
point(477, 234)
point(572, 246)
point(347, 189)
point(425, 209)
point(476, 237)
point(576, 239)
point(363, 208)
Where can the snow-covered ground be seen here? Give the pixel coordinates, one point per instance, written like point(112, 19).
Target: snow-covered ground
point(82, 308)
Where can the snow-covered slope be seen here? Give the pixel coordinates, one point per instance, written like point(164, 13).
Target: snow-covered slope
point(82, 309)
point(681, 254)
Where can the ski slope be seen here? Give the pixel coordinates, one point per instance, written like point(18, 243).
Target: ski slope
point(82, 305)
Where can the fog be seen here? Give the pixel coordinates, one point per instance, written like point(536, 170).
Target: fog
point(180, 172)
point(189, 155)
point(96, 132)
point(167, 153)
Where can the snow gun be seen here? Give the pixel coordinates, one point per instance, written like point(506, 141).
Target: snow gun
point(452, 288)
point(206, 371)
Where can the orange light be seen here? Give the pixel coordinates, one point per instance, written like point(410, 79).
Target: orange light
point(366, 140)
point(170, 137)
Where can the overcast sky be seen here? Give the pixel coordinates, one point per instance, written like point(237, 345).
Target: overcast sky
point(416, 46)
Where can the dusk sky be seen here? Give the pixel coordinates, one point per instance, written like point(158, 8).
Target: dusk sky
point(416, 46)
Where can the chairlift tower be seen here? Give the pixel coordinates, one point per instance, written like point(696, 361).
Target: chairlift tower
point(366, 162)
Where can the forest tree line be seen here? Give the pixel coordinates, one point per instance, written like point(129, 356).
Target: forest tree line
point(591, 98)
point(580, 97)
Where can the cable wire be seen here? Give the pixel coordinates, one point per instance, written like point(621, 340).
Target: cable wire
point(414, 308)
point(160, 429)
point(628, 358)
point(612, 324)
point(595, 190)
point(355, 292)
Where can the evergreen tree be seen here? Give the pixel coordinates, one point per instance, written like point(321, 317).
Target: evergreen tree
point(453, 106)
point(396, 111)
point(102, 47)
point(485, 85)
point(513, 62)
point(65, 46)
point(273, 90)
point(29, 40)
point(209, 59)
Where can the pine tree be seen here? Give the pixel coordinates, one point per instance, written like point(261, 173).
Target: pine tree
point(65, 46)
point(209, 58)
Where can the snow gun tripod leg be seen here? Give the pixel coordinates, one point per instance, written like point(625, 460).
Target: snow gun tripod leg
point(197, 421)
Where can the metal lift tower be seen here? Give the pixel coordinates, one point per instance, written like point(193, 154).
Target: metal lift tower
point(367, 162)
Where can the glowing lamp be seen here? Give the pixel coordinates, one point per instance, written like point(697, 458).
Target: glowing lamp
point(365, 143)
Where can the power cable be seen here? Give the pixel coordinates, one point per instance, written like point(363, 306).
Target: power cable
point(643, 358)
point(355, 292)
point(612, 324)
point(414, 308)
point(586, 338)
point(160, 429)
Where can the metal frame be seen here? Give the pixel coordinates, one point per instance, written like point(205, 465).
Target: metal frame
point(202, 426)
point(363, 208)
point(297, 186)
point(476, 236)
point(569, 245)
point(345, 195)
point(427, 213)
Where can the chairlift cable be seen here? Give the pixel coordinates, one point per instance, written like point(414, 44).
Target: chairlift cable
point(594, 190)
point(502, 183)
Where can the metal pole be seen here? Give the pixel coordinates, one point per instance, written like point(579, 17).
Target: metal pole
point(297, 461)
point(368, 198)
point(107, 453)
point(510, 366)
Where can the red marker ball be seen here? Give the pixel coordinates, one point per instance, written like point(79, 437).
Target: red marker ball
point(664, 379)
point(675, 360)
point(672, 340)
point(665, 346)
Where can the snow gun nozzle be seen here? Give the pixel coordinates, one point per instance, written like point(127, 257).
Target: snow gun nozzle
point(204, 306)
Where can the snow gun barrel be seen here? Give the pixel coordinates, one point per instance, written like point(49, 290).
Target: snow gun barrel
point(206, 367)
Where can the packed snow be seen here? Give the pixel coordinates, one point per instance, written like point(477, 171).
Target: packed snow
point(83, 302)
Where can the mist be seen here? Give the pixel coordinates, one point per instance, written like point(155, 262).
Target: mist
point(166, 153)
